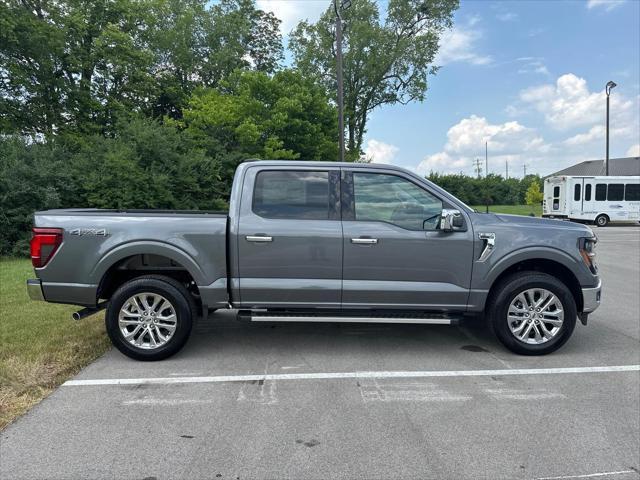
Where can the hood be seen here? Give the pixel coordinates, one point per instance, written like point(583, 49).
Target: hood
point(535, 222)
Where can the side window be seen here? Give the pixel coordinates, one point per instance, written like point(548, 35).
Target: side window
point(380, 197)
point(576, 192)
point(286, 194)
point(587, 192)
point(615, 192)
point(632, 192)
point(601, 192)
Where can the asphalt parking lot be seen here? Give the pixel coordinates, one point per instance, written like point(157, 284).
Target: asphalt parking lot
point(503, 422)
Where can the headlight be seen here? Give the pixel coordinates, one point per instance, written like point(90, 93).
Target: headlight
point(587, 248)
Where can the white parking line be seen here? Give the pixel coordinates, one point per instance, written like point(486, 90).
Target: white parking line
point(589, 475)
point(340, 375)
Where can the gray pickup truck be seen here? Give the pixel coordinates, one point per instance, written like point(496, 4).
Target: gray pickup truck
point(318, 242)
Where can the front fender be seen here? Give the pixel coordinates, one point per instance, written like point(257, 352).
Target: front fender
point(485, 275)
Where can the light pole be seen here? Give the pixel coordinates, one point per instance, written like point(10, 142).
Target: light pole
point(608, 87)
point(343, 5)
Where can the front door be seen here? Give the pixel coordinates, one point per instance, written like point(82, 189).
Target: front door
point(290, 238)
point(394, 254)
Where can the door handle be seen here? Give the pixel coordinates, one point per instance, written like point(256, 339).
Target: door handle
point(258, 238)
point(364, 241)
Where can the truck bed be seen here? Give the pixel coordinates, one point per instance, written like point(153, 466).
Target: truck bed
point(132, 212)
point(97, 242)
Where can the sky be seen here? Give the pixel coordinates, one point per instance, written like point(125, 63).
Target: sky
point(527, 77)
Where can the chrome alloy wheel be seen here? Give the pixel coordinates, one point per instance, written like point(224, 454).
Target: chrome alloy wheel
point(147, 320)
point(535, 316)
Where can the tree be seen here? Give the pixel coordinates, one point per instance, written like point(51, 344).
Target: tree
point(254, 115)
point(72, 65)
point(534, 196)
point(198, 47)
point(385, 62)
point(78, 66)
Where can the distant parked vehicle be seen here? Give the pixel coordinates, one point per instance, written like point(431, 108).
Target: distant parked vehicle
point(592, 199)
point(318, 242)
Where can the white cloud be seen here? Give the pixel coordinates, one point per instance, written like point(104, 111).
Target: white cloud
point(459, 45)
point(509, 141)
point(507, 16)
point(532, 65)
point(595, 133)
point(569, 103)
point(566, 105)
point(607, 5)
point(380, 152)
point(634, 150)
point(292, 12)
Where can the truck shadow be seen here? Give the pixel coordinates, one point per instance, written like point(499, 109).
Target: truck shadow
point(223, 330)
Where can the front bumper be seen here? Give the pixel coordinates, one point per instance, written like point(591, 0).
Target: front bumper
point(34, 289)
point(591, 298)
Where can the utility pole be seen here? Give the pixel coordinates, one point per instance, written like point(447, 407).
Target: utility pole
point(478, 167)
point(338, 7)
point(506, 166)
point(486, 160)
point(608, 87)
point(524, 166)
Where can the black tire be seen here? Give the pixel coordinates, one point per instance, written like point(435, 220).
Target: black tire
point(506, 292)
point(175, 293)
point(602, 220)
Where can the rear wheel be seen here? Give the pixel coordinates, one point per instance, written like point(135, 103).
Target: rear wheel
point(532, 313)
point(602, 220)
point(150, 317)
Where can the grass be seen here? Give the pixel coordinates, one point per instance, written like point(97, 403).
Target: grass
point(40, 345)
point(512, 209)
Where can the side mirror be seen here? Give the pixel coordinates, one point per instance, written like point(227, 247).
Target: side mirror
point(451, 220)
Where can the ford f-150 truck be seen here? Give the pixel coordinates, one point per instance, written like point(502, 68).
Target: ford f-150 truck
point(318, 241)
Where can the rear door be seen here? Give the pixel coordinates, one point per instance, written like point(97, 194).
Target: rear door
point(394, 255)
point(289, 240)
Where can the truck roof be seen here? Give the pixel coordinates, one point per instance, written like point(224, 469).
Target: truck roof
point(288, 163)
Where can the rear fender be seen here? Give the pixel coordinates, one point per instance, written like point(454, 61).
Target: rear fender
point(147, 248)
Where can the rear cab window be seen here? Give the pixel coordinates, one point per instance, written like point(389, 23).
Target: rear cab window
point(292, 194)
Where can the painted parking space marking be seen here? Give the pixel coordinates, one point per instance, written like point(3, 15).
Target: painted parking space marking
point(590, 475)
point(347, 375)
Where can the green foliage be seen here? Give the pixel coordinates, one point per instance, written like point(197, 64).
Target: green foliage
point(489, 190)
point(253, 115)
point(32, 176)
point(145, 165)
point(385, 61)
point(77, 66)
point(533, 195)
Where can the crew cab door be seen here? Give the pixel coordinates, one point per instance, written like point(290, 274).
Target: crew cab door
point(394, 254)
point(289, 239)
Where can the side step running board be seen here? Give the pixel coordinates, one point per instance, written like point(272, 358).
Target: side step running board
point(375, 318)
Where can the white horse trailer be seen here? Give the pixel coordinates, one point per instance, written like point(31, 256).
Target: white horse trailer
point(592, 199)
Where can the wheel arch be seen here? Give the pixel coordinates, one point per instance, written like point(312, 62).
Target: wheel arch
point(142, 258)
point(550, 266)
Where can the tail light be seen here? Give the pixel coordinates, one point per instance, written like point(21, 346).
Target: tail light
point(44, 243)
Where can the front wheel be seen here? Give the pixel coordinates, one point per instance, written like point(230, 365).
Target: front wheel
point(150, 317)
point(532, 313)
